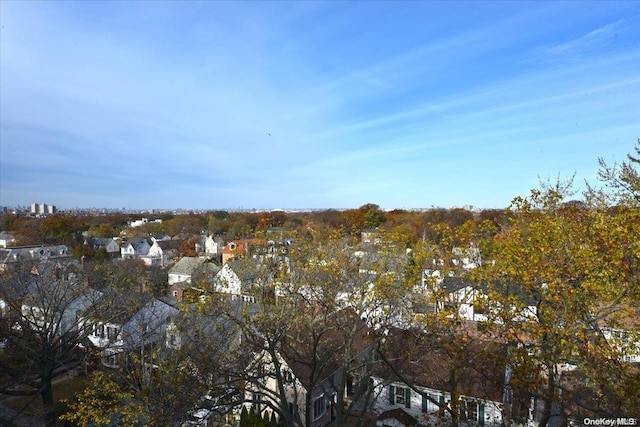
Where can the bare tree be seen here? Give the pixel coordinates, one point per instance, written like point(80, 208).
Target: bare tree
point(42, 299)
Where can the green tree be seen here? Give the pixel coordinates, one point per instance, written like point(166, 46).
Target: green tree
point(624, 179)
point(561, 275)
point(373, 215)
point(104, 230)
point(61, 229)
point(103, 405)
point(201, 362)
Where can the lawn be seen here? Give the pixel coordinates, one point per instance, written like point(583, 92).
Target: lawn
point(64, 387)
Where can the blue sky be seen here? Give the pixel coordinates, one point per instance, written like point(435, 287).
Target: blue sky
point(277, 104)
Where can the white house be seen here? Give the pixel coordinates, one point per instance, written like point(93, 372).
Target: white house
point(130, 324)
point(262, 394)
point(49, 296)
point(399, 404)
point(184, 269)
point(61, 316)
point(415, 387)
point(241, 279)
point(134, 247)
point(213, 247)
point(110, 245)
point(311, 390)
point(6, 239)
point(155, 255)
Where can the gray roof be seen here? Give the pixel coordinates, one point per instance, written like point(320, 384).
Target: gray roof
point(137, 241)
point(6, 236)
point(148, 324)
point(35, 252)
point(187, 265)
point(248, 270)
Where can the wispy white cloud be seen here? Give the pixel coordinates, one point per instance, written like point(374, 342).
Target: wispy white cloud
point(301, 104)
point(584, 45)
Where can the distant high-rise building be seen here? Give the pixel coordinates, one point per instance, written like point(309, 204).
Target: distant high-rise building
point(42, 209)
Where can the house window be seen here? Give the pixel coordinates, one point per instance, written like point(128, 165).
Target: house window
point(112, 332)
point(428, 400)
point(287, 375)
point(256, 400)
point(99, 330)
point(173, 340)
point(293, 409)
point(319, 407)
point(400, 396)
point(472, 410)
point(249, 299)
point(350, 381)
point(110, 360)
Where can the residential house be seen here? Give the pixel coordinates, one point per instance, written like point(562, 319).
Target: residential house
point(418, 382)
point(110, 245)
point(59, 316)
point(127, 323)
point(171, 251)
point(183, 270)
point(17, 254)
point(310, 368)
point(216, 334)
point(462, 295)
point(6, 239)
point(163, 251)
point(242, 279)
point(190, 274)
point(468, 300)
point(155, 254)
point(201, 283)
point(135, 247)
point(213, 246)
point(239, 248)
point(370, 236)
point(43, 291)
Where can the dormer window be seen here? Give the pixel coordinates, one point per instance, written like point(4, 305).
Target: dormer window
point(320, 407)
point(287, 375)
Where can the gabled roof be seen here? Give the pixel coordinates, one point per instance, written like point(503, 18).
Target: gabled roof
point(100, 242)
point(399, 414)
point(21, 279)
point(117, 307)
point(136, 242)
point(27, 275)
point(452, 284)
point(35, 252)
point(248, 270)
point(148, 323)
point(209, 269)
point(192, 323)
point(6, 236)
point(186, 266)
point(422, 360)
point(241, 246)
point(169, 244)
point(331, 347)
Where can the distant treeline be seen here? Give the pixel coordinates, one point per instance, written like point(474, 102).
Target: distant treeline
point(71, 230)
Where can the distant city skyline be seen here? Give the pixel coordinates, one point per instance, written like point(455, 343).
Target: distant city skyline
point(311, 105)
